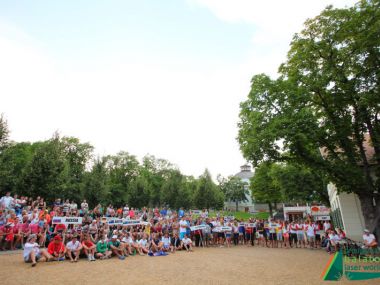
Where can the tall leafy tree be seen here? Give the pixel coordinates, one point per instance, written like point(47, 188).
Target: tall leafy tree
point(327, 101)
point(263, 188)
point(234, 189)
point(45, 173)
point(4, 133)
point(299, 184)
point(207, 194)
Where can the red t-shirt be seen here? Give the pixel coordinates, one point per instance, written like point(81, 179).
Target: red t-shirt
point(55, 247)
point(88, 243)
point(60, 227)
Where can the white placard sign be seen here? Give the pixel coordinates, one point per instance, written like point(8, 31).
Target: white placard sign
point(199, 227)
point(67, 220)
point(222, 229)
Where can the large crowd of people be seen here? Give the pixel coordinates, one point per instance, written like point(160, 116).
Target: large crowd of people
point(28, 224)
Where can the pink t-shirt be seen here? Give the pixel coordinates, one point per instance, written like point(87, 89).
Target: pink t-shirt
point(34, 228)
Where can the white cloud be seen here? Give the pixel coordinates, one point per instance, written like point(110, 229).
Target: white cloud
point(274, 23)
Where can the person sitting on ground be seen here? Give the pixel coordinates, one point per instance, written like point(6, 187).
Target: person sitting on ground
point(166, 242)
point(74, 248)
point(144, 245)
point(187, 244)
point(116, 247)
point(57, 249)
point(89, 247)
point(156, 244)
point(102, 249)
point(32, 252)
point(176, 243)
point(369, 240)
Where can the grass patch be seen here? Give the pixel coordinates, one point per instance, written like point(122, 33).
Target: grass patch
point(241, 215)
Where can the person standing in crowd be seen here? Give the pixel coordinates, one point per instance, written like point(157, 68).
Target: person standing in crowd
point(182, 228)
point(285, 234)
point(235, 232)
point(310, 233)
point(84, 207)
point(293, 234)
point(7, 201)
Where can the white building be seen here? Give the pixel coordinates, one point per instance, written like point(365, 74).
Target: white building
point(245, 175)
point(346, 212)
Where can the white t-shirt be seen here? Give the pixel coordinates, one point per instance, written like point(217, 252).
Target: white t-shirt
point(166, 241)
point(182, 226)
point(73, 245)
point(326, 226)
point(29, 247)
point(6, 201)
point(127, 240)
point(310, 230)
point(369, 239)
point(187, 241)
point(73, 206)
point(300, 229)
point(143, 242)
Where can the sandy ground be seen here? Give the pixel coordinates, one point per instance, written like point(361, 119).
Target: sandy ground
point(236, 265)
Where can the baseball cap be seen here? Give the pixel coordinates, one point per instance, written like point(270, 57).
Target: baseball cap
point(58, 238)
point(366, 231)
point(114, 236)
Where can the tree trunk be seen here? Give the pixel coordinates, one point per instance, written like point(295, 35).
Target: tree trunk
point(371, 213)
point(270, 208)
point(237, 206)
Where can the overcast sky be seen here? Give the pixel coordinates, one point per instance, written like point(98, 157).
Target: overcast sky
point(158, 77)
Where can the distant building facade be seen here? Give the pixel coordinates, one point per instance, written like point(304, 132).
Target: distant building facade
point(249, 205)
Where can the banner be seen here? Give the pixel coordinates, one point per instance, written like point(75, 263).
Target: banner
point(199, 227)
point(67, 220)
point(222, 229)
point(247, 225)
point(229, 218)
point(123, 222)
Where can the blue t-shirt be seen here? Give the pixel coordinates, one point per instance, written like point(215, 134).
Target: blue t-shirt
point(181, 213)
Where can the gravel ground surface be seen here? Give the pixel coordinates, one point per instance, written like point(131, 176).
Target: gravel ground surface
point(235, 265)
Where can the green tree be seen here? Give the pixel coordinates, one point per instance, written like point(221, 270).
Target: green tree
point(207, 194)
point(77, 156)
point(234, 189)
point(299, 184)
point(123, 169)
point(45, 173)
point(171, 188)
point(96, 183)
point(13, 162)
point(325, 100)
point(4, 133)
point(263, 188)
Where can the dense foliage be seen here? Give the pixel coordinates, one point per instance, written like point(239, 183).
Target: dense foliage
point(323, 112)
point(64, 167)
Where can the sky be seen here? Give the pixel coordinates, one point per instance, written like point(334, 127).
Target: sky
point(148, 77)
